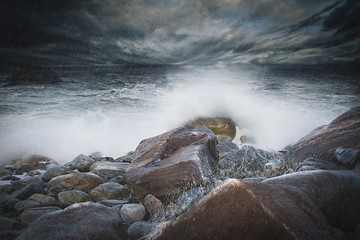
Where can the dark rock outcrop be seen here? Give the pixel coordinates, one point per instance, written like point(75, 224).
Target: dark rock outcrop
point(247, 162)
point(336, 193)
point(79, 221)
point(249, 210)
point(218, 125)
point(173, 162)
point(29, 75)
point(343, 132)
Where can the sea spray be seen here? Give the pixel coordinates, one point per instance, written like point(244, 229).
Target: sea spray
point(112, 113)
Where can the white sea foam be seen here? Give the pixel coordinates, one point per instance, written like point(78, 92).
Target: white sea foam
point(114, 119)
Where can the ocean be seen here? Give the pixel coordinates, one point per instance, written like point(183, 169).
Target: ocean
point(110, 109)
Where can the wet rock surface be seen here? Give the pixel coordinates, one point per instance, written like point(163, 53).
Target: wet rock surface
point(336, 193)
point(172, 177)
point(79, 221)
point(246, 210)
point(173, 162)
point(343, 132)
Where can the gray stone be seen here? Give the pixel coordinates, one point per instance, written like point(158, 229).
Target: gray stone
point(79, 221)
point(81, 163)
point(348, 157)
point(273, 167)
point(109, 190)
point(140, 229)
point(119, 179)
point(188, 198)
point(41, 198)
point(113, 202)
point(22, 205)
point(154, 207)
point(226, 148)
point(4, 172)
point(109, 170)
point(78, 181)
point(53, 172)
point(129, 157)
point(6, 187)
point(31, 214)
point(7, 224)
point(10, 178)
point(132, 212)
point(73, 196)
point(9, 203)
point(34, 186)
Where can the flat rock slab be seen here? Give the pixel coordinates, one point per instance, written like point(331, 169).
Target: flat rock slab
point(79, 221)
point(249, 210)
point(78, 181)
point(109, 170)
point(173, 162)
point(343, 132)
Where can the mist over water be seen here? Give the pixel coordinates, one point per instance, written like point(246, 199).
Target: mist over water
point(111, 109)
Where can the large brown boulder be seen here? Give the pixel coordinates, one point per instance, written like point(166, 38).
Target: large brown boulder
point(343, 132)
point(79, 221)
point(29, 75)
point(336, 193)
point(173, 162)
point(77, 181)
point(249, 210)
point(219, 125)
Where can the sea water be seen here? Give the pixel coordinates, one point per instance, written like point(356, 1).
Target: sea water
point(110, 109)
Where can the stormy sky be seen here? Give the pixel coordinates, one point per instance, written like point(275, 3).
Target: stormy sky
point(173, 31)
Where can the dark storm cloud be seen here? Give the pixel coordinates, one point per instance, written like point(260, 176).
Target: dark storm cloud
point(181, 31)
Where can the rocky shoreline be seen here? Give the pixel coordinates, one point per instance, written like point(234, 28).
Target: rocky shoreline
point(189, 183)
